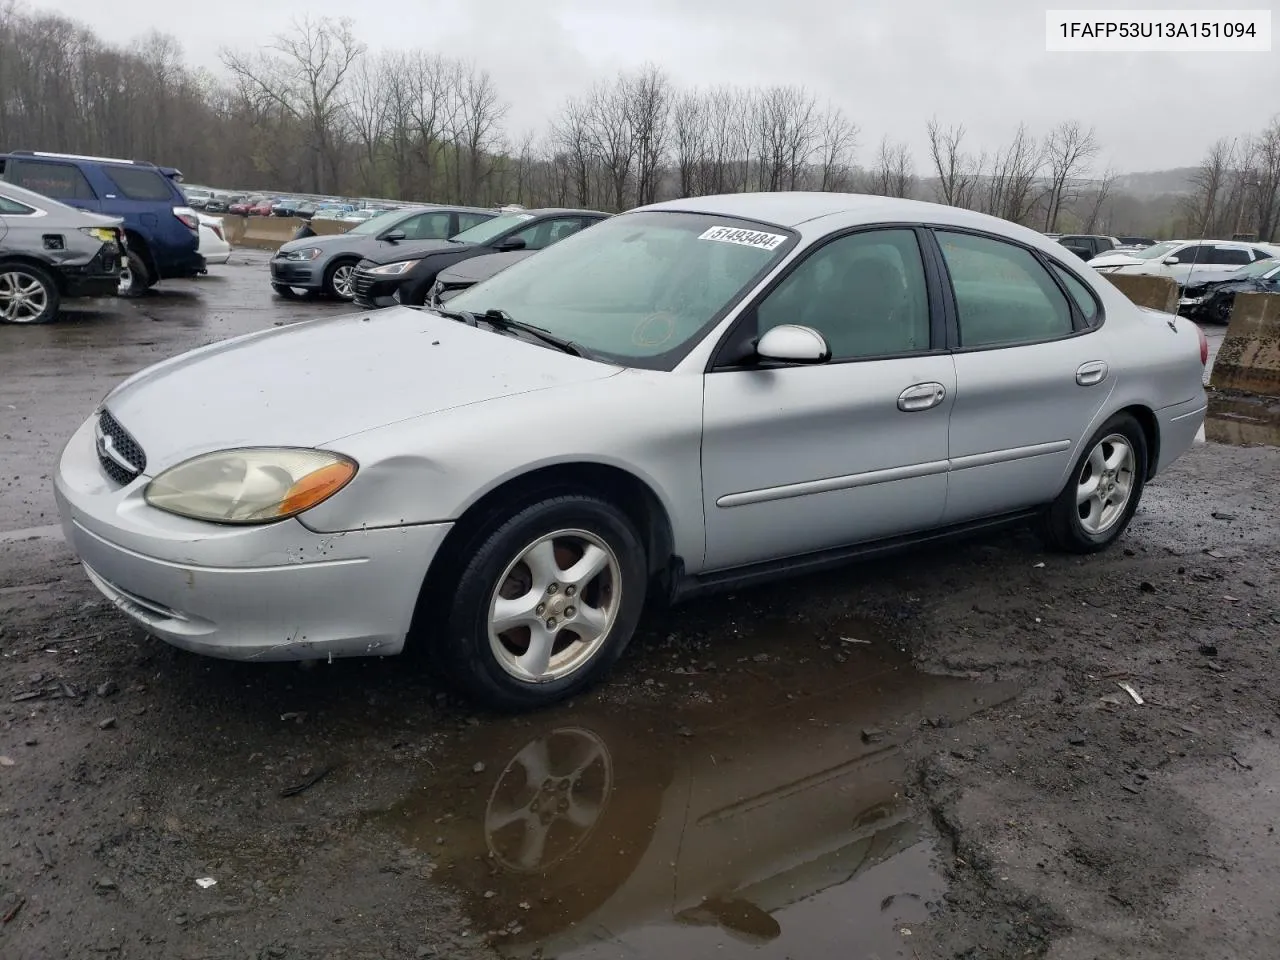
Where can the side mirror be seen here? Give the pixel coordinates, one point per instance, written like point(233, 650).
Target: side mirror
point(791, 343)
point(395, 236)
point(1170, 260)
point(511, 243)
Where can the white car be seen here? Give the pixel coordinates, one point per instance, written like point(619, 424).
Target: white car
point(1184, 261)
point(213, 241)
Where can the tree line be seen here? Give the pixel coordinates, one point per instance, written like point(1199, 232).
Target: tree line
point(316, 111)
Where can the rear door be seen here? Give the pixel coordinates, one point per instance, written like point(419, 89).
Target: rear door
point(139, 195)
point(55, 179)
point(1031, 374)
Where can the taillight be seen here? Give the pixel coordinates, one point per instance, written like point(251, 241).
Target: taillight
point(1204, 347)
point(188, 217)
point(217, 232)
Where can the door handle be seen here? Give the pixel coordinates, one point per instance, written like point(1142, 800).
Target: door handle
point(921, 396)
point(1089, 374)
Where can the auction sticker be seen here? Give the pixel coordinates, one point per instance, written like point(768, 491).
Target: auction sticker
point(746, 238)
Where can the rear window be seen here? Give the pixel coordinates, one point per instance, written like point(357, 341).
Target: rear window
point(13, 208)
point(140, 184)
point(62, 181)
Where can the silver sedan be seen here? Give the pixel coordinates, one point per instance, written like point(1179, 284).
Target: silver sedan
point(690, 396)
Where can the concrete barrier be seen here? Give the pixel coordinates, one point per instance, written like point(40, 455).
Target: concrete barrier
point(1249, 358)
point(1159, 293)
point(327, 228)
point(268, 233)
point(233, 228)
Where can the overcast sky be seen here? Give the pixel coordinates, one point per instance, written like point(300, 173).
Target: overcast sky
point(891, 64)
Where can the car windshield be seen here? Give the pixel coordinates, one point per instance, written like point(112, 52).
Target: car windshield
point(484, 232)
point(1259, 268)
point(1158, 250)
point(377, 224)
point(639, 289)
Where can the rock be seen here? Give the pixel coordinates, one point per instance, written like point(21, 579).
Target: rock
point(107, 723)
point(478, 768)
point(1077, 739)
point(489, 894)
point(1208, 649)
point(872, 735)
point(1222, 516)
point(685, 732)
point(1147, 586)
point(760, 657)
point(103, 883)
point(108, 688)
point(31, 741)
point(6, 761)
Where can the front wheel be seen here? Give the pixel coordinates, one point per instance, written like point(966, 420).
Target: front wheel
point(1102, 495)
point(545, 605)
point(339, 280)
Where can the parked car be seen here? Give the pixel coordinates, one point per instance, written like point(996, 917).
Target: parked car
point(1136, 243)
point(50, 252)
point(692, 395)
point(1212, 300)
point(213, 240)
point(161, 231)
point(222, 203)
point(451, 281)
point(325, 265)
point(1184, 261)
point(262, 208)
point(1088, 246)
point(285, 206)
point(332, 211)
point(245, 205)
point(197, 197)
point(406, 274)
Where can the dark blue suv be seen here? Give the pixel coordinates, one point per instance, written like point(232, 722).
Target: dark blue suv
point(162, 233)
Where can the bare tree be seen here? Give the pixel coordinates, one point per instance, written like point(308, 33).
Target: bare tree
point(368, 110)
point(570, 135)
point(837, 141)
point(689, 136)
point(1102, 191)
point(649, 98)
point(893, 174)
point(1010, 187)
point(1267, 204)
point(1208, 184)
point(1069, 149)
point(957, 172)
point(303, 72)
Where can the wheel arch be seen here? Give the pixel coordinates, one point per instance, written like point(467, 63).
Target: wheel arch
point(138, 244)
point(620, 487)
point(1146, 418)
point(28, 260)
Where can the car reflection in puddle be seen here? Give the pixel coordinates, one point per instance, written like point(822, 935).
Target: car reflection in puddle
point(765, 818)
point(1243, 421)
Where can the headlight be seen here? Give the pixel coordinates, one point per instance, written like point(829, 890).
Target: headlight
point(394, 269)
point(105, 234)
point(252, 485)
point(309, 254)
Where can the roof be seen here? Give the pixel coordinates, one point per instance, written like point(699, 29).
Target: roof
point(549, 211)
point(792, 208)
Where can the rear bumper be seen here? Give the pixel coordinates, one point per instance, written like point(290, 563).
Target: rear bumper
point(1179, 425)
point(100, 277)
point(185, 265)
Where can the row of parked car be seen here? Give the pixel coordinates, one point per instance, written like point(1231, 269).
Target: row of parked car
point(1209, 273)
point(265, 205)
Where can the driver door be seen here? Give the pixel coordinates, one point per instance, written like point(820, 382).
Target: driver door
point(797, 459)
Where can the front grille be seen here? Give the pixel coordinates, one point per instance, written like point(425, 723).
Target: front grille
point(120, 455)
point(361, 284)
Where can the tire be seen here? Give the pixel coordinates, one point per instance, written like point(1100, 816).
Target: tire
point(485, 664)
point(28, 294)
point(1222, 310)
point(1063, 527)
point(335, 285)
point(135, 278)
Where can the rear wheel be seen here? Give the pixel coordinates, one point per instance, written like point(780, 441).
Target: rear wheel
point(1102, 495)
point(547, 602)
point(135, 277)
point(28, 294)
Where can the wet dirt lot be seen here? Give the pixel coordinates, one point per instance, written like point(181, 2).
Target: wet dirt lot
point(928, 757)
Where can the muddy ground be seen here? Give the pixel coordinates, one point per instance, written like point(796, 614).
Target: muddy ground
point(929, 757)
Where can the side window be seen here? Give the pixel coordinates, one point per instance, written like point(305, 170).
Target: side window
point(1003, 295)
point(1233, 256)
point(426, 226)
point(61, 181)
point(468, 220)
point(141, 184)
point(864, 292)
point(1082, 295)
point(13, 208)
point(547, 232)
point(1194, 253)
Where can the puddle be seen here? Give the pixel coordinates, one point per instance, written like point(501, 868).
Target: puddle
point(1243, 422)
point(761, 817)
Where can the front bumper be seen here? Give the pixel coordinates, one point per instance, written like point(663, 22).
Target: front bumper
point(297, 273)
point(272, 592)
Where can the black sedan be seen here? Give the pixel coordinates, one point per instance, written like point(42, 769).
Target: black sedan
point(1210, 301)
point(407, 273)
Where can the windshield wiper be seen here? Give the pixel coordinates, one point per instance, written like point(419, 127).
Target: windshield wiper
point(501, 320)
point(462, 316)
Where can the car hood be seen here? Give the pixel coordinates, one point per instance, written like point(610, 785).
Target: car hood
point(320, 380)
point(360, 243)
point(482, 268)
point(1116, 259)
point(414, 249)
point(1237, 286)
